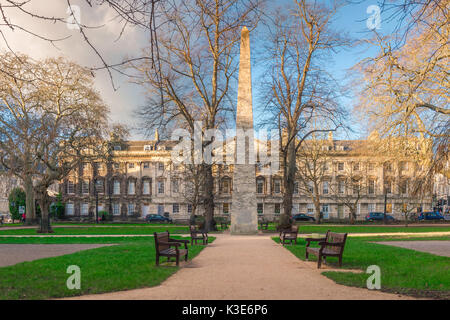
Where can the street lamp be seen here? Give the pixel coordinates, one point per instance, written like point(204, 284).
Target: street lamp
point(96, 200)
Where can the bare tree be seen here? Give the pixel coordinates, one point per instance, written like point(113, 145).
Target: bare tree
point(313, 165)
point(140, 14)
point(403, 90)
point(348, 189)
point(68, 120)
point(195, 69)
point(297, 88)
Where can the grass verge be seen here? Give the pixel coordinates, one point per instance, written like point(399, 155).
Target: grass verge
point(403, 271)
point(128, 265)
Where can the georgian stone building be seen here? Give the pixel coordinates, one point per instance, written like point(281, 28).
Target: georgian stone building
point(142, 180)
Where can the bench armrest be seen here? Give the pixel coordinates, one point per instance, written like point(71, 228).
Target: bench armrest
point(324, 243)
point(179, 240)
point(169, 243)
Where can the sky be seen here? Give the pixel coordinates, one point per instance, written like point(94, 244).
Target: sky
point(126, 97)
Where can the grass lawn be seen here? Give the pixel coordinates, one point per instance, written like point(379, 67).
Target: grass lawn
point(403, 271)
point(128, 265)
point(311, 228)
point(101, 230)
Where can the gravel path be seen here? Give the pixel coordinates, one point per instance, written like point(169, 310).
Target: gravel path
point(438, 247)
point(247, 267)
point(11, 254)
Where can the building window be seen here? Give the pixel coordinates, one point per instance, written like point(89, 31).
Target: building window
point(189, 208)
point(116, 187)
point(85, 187)
point(277, 186)
point(371, 186)
point(371, 207)
point(116, 166)
point(69, 209)
point(99, 185)
point(116, 209)
point(260, 208)
point(146, 187)
point(260, 186)
point(310, 208)
point(85, 209)
point(117, 147)
point(161, 166)
point(225, 208)
point(161, 187)
point(388, 167)
point(325, 187)
point(296, 187)
point(146, 165)
point(341, 186)
point(371, 166)
point(131, 209)
point(403, 187)
point(356, 166)
point(175, 186)
point(176, 208)
point(388, 187)
point(325, 211)
point(225, 185)
point(356, 187)
point(131, 187)
point(277, 207)
point(131, 165)
point(311, 187)
point(340, 166)
point(70, 187)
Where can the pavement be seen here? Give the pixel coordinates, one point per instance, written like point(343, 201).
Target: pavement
point(11, 254)
point(438, 247)
point(248, 267)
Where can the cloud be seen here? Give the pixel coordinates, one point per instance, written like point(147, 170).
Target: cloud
point(104, 34)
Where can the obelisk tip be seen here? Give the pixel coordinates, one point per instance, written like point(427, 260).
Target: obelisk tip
point(244, 30)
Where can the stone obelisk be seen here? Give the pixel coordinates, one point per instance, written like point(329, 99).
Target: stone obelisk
point(244, 218)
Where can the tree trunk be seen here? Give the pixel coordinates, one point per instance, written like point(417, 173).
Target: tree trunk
point(29, 202)
point(352, 216)
point(318, 214)
point(290, 168)
point(44, 203)
point(209, 198)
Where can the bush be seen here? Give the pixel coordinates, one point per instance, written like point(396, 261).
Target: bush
point(16, 199)
point(57, 209)
point(104, 215)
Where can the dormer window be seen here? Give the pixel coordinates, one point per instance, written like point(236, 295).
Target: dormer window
point(117, 147)
point(148, 147)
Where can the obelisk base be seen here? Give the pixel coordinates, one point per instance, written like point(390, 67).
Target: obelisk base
point(244, 216)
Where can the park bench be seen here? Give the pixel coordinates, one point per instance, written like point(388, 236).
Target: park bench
point(332, 245)
point(163, 244)
point(289, 234)
point(198, 235)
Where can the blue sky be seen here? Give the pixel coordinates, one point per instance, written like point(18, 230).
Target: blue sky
point(128, 97)
point(351, 19)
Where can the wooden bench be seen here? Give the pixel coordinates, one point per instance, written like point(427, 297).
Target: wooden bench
point(198, 235)
point(163, 244)
point(331, 246)
point(289, 235)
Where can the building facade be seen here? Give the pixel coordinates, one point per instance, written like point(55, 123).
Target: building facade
point(141, 179)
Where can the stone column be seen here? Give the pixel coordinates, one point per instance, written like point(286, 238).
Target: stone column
point(244, 218)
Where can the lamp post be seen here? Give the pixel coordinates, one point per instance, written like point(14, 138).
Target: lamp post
point(385, 204)
point(96, 200)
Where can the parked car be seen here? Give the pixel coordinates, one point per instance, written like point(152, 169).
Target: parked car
point(430, 216)
point(378, 216)
point(302, 217)
point(157, 218)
